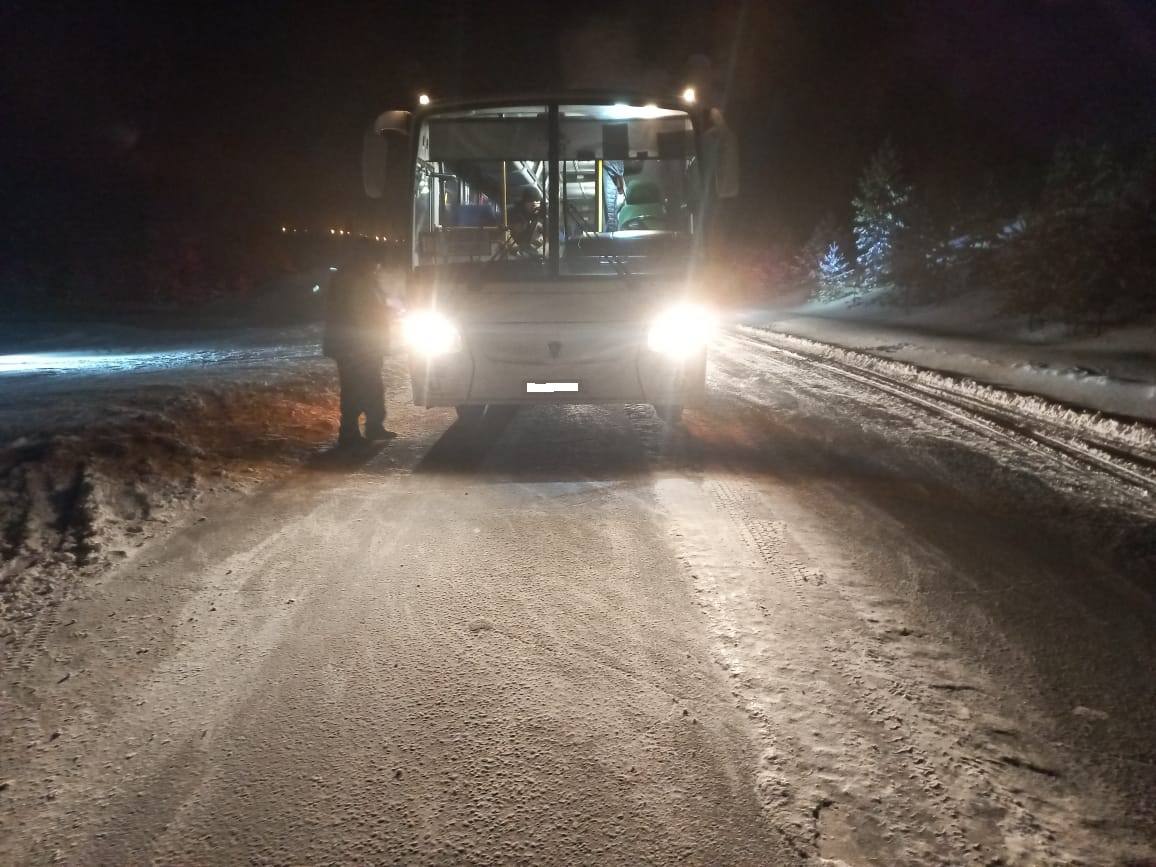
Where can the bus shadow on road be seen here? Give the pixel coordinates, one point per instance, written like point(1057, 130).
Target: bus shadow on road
point(465, 445)
point(545, 444)
point(624, 443)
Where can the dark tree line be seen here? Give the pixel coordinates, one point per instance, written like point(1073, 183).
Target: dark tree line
point(1083, 252)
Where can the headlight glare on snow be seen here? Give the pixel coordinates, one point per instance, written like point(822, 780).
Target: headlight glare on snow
point(681, 331)
point(430, 333)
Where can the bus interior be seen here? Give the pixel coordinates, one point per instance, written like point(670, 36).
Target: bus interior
point(626, 189)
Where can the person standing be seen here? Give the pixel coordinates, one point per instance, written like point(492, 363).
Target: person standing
point(357, 318)
point(721, 159)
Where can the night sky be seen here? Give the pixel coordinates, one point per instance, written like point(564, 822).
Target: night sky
point(250, 114)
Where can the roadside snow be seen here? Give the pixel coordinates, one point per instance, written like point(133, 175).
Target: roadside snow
point(1136, 438)
point(1113, 372)
point(101, 450)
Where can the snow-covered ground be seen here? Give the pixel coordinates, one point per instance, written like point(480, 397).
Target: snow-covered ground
point(842, 617)
point(111, 434)
point(1113, 372)
point(819, 625)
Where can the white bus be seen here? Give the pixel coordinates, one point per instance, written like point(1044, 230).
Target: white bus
point(552, 250)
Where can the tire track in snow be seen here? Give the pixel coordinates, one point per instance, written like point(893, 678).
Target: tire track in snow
point(922, 730)
point(1120, 450)
point(878, 744)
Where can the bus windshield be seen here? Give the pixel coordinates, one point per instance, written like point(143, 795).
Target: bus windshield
point(624, 179)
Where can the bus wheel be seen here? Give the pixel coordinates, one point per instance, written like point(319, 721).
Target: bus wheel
point(671, 413)
point(470, 412)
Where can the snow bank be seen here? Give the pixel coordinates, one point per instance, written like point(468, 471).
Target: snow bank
point(1135, 437)
point(1113, 372)
point(92, 468)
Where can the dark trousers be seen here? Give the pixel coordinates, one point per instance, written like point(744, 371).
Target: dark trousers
point(361, 392)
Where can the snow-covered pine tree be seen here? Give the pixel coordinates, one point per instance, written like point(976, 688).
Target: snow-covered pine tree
point(834, 272)
point(880, 214)
point(806, 264)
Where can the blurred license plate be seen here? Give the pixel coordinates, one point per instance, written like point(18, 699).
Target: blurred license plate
point(550, 387)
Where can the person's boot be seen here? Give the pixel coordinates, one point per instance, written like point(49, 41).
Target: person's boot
point(378, 432)
point(349, 436)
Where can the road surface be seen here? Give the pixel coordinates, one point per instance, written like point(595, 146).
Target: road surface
point(824, 622)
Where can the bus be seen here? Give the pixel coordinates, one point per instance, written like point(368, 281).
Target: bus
point(551, 251)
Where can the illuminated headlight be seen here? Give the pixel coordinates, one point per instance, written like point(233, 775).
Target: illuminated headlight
point(682, 331)
point(430, 333)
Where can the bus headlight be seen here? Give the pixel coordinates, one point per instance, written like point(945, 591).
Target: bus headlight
point(430, 333)
point(682, 331)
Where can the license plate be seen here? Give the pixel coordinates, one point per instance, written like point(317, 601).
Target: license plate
point(550, 387)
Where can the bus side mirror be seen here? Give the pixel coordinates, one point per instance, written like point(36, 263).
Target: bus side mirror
point(375, 150)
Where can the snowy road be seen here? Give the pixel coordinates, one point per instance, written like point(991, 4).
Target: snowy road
point(823, 622)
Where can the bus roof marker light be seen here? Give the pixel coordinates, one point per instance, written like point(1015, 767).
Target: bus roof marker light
point(622, 111)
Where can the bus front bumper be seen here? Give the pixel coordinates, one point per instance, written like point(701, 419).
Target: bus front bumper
point(456, 379)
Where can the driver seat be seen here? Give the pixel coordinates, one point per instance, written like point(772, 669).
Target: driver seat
point(643, 205)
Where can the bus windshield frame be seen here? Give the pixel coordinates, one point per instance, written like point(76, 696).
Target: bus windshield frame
point(554, 190)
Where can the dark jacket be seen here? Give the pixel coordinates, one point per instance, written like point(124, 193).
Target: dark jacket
point(356, 316)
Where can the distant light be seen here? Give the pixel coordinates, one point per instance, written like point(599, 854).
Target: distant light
point(332, 267)
point(689, 96)
point(283, 229)
point(377, 237)
point(316, 287)
point(423, 99)
point(332, 231)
